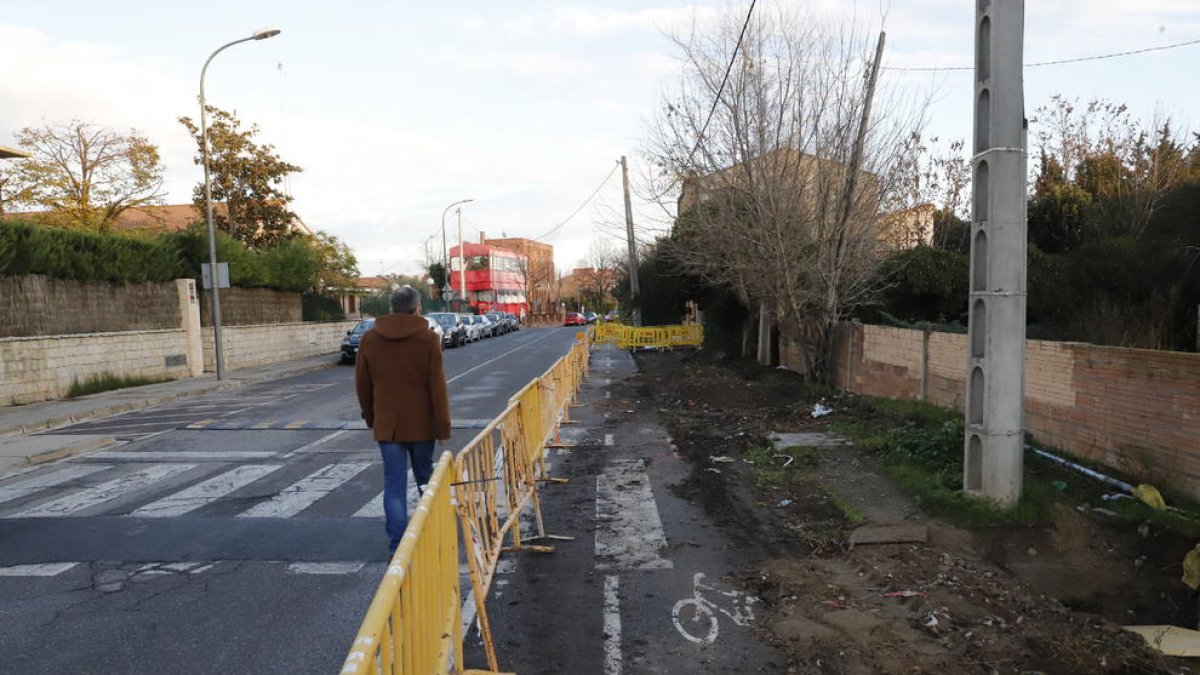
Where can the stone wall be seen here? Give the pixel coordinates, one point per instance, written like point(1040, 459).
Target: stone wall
point(252, 307)
point(38, 305)
point(1131, 409)
point(43, 368)
point(260, 345)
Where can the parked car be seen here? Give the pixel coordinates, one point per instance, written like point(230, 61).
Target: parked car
point(501, 321)
point(353, 337)
point(474, 329)
point(590, 317)
point(612, 316)
point(574, 319)
point(488, 326)
point(454, 332)
point(437, 329)
point(513, 321)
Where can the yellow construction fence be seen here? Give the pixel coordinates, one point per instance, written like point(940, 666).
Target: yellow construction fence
point(649, 337)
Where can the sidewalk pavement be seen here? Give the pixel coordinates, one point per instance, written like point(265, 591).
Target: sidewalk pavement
point(17, 423)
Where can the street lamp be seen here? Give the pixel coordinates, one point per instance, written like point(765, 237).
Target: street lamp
point(219, 351)
point(445, 254)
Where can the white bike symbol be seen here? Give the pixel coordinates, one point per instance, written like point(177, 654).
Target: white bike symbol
point(698, 612)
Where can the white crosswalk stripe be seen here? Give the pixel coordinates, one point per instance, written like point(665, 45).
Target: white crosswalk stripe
point(94, 496)
point(65, 474)
point(306, 492)
point(374, 508)
point(204, 493)
point(36, 570)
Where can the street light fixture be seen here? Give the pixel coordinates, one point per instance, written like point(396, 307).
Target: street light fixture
point(445, 252)
point(219, 351)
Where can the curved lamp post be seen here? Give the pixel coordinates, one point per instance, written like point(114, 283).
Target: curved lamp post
point(219, 351)
point(445, 251)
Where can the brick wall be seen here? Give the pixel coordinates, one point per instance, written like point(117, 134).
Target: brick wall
point(1132, 409)
point(252, 307)
point(259, 345)
point(38, 305)
point(42, 368)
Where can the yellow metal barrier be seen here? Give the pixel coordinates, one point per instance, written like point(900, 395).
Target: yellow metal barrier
point(660, 337)
point(414, 623)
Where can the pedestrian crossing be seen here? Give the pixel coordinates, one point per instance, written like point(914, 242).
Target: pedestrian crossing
point(347, 489)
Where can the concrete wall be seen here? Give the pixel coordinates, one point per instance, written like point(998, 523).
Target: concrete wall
point(252, 307)
point(38, 305)
point(259, 345)
point(42, 368)
point(1132, 409)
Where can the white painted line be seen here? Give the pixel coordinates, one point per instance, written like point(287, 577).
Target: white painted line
point(190, 455)
point(325, 567)
point(517, 349)
point(305, 492)
point(629, 532)
point(612, 626)
point(204, 493)
point(320, 441)
point(608, 439)
point(374, 508)
point(39, 570)
point(94, 496)
point(64, 474)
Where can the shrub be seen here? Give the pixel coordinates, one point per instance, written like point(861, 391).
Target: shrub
point(85, 256)
point(317, 307)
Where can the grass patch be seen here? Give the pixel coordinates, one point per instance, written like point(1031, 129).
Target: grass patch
point(852, 515)
point(769, 469)
point(108, 382)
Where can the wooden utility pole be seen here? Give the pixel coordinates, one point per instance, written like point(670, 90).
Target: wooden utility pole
point(634, 287)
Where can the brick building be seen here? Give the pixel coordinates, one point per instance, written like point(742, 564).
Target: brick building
point(541, 289)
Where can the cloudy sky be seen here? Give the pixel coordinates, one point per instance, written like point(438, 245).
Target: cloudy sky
point(397, 109)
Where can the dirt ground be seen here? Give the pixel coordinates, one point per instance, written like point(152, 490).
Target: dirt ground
point(1049, 598)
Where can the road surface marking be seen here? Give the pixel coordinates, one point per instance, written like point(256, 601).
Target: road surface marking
point(305, 492)
point(320, 441)
point(39, 570)
point(190, 455)
point(325, 567)
point(516, 349)
point(612, 626)
point(608, 439)
point(374, 508)
point(65, 474)
point(204, 493)
point(629, 532)
point(93, 496)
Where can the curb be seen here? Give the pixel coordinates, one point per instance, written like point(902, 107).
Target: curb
point(130, 406)
point(69, 451)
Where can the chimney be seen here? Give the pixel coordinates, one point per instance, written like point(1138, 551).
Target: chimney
point(482, 236)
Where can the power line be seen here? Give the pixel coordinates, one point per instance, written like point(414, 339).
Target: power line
point(1078, 59)
point(724, 80)
point(581, 206)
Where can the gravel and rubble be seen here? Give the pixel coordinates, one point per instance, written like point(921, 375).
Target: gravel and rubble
point(1045, 599)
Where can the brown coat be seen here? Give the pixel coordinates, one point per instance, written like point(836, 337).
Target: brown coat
point(400, 382)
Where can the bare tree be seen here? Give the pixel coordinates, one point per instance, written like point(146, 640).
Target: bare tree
point(600, 271)
point(86, 175)
point(768, 205)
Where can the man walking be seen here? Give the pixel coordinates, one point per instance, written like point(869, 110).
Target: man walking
point(402, 394)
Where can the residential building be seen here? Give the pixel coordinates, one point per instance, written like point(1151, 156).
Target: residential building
point(538, 277)
point(589, 288)
point(494, 278)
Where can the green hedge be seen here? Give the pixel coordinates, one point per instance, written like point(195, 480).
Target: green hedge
point(290, 265)
point(85, 256)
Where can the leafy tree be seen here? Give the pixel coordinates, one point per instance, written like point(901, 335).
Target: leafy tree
point(1061, 218)
point(927, 284)
point(85, 174)
point(951, 232)
point(247, 177)
point(339, 266)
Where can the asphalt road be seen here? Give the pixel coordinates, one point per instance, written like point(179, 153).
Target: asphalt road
point(236, 532)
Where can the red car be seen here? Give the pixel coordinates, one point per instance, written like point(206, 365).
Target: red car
point(575, 319)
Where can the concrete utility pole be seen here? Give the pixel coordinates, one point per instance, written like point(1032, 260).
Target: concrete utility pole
point(462, 263)
point(634, 287)
point(994, 445)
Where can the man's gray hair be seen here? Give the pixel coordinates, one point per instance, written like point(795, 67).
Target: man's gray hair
point(405, 300)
